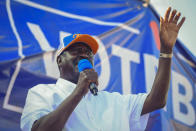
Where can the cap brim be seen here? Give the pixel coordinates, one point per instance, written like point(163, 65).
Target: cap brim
point(87, 39)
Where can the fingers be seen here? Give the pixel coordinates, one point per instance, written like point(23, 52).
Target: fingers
point(181, 23)
point(90, 75)
point(97, 82)
point(167, 14)
point(172, 15)
point(176, 18)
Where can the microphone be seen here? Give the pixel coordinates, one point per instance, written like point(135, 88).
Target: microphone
point(83, 65)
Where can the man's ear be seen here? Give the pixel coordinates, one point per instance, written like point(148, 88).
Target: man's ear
point(59, 61)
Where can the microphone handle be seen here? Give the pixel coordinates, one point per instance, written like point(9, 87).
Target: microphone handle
point(93, 89)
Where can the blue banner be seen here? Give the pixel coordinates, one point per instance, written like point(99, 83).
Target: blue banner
point(127, 60)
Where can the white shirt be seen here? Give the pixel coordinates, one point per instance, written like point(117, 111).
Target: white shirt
point(104, 112)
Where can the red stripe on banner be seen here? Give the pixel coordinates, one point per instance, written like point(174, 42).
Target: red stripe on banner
point(155, 30)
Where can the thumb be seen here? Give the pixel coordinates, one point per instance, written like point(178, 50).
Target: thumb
point(161, 22)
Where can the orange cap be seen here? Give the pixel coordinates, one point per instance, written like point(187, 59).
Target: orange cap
point(85, 38)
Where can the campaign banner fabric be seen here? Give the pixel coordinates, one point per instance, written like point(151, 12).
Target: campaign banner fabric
point(127, 60)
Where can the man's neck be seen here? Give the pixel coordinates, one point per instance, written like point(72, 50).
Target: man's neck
point(73, 80)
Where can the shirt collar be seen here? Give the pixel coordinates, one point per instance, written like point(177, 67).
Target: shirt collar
point(65, 85)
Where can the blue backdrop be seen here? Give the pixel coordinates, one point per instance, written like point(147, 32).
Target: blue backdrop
point(127, 60)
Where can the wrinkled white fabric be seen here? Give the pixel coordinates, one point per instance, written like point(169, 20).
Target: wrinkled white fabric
point(105, 112)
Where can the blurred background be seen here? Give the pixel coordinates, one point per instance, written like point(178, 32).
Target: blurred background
point(127, 31)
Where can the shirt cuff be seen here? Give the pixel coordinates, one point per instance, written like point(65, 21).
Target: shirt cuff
point(140, 122)
point(27, 123)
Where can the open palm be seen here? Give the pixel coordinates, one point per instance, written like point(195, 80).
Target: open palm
point(169, 28)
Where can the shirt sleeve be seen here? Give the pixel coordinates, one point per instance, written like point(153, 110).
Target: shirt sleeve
point(138, 122)
point(35, 107)
point(132, 105)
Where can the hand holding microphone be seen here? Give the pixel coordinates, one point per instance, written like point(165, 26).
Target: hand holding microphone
point(88, 77)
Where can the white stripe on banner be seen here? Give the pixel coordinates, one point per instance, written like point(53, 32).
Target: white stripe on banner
point(186, 60)
point(79, 17)
point(6, 104)
point(20, 53)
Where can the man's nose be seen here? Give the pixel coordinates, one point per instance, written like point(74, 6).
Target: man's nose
point(84, 54)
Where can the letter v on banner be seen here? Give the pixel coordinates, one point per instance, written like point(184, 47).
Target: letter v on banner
point(50, 64)
point(39, 36)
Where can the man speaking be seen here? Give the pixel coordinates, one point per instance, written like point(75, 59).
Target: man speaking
point(69, 105)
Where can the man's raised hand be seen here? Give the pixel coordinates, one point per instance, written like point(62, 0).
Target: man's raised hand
point(169, 28)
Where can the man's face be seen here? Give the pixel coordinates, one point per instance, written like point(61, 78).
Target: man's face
point(80, 51)
point(71, 56)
